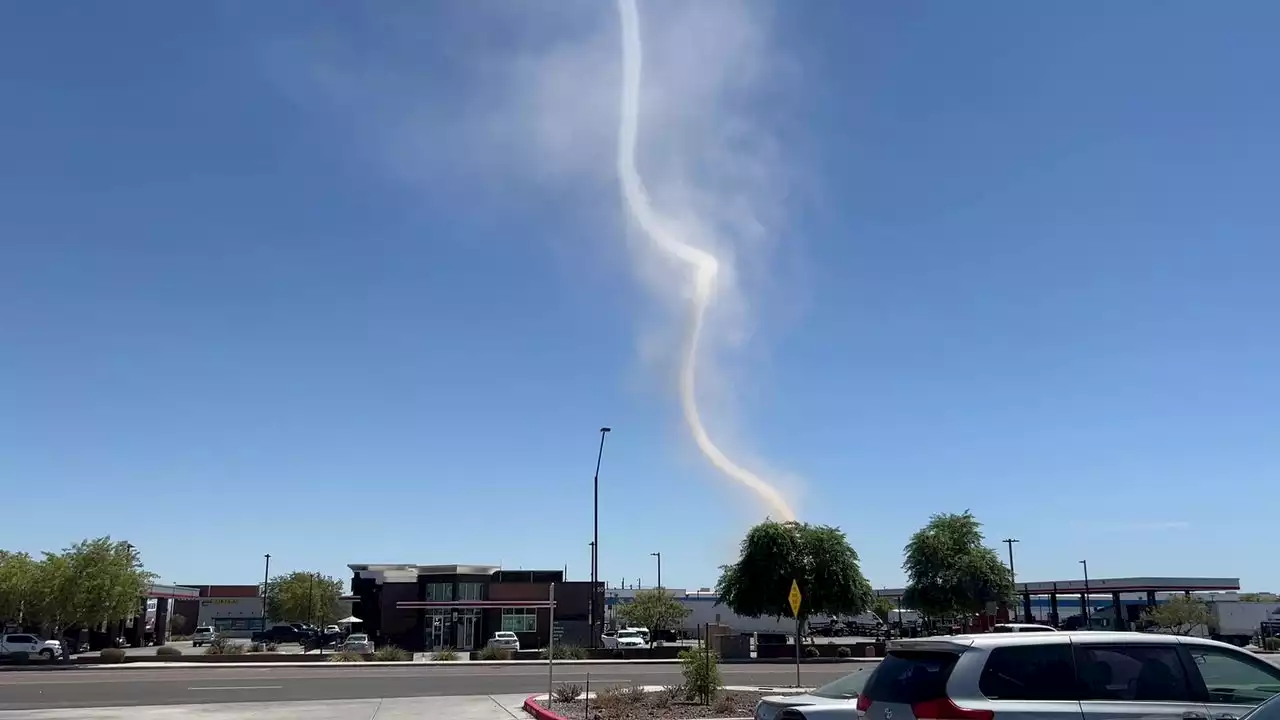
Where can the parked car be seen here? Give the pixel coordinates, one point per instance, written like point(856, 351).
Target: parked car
point(1087, 675)
point(628, 638)
point(331, 630)
point(842, 692)
point(33, 646)
point(203, 635)
point(359, 643)
point(505, 641)
point(280, 634)
point(1269, 710)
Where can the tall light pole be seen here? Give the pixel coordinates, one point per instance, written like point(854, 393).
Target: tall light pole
point(1085, 563)
point(659, 556)
point(1013, 576)
point(595, 535)
point(266, 572)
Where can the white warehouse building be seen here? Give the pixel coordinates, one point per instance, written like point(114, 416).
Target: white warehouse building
point(703, 609)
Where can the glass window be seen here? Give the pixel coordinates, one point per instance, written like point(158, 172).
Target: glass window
point(847, 687)
point(439, 592)
point(1269, 710)
point(910, 677)
point(471, 591)
point(1235, 678)
point(1029, 672)
point(519, 620)
point(1135, 673)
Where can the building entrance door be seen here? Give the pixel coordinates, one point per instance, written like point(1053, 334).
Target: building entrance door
point(466, 632)
point(436, 631)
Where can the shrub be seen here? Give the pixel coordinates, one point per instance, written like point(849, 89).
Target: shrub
point(391, 653)
point(1272, 644)
point(271, 647)
point(565, 652)
point(633, 696)
point(112, 655)
point(224, 646)
point(812, 652)
point(844, 652)
point(168, 650)
point(725, 706)
point(608, 699)
point(495, 653)
point(346, 656)
point(445, 655)
point(256, 647)
point(701, 670)
point(567, 693)
point(667, 695)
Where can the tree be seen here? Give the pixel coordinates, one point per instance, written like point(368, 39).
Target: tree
point(176, 623)
point(302, 596)
point(90, 583)
point(17, 585)
point(949, 570)
point(655, 609)
point(818, 558)
point(882, 609)
point(1181, 615)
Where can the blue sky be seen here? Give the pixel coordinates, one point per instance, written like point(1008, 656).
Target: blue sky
point(353, 283)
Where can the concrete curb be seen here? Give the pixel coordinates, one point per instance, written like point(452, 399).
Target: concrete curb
point(91, 667)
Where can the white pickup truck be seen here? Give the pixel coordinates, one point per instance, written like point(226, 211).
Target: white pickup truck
point(33, 646)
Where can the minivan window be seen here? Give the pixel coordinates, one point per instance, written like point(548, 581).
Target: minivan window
point(1233, 679)
point(911, 676)
point(1141, 673)
point(1029, 672)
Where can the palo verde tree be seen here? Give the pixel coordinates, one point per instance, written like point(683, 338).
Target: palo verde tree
point(89, 583)
point(655, 609)
point(950, 571)
point(817, 557)
point(301, 596)
point(1180, 615)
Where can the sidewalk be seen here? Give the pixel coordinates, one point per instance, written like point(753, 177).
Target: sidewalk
point(459, 707)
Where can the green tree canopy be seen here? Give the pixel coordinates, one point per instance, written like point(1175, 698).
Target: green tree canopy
point(655, 609)
point(882, 608)
point(1180, 615)
point(91, 582)
point(302, 596)
point(949, 569)
point(817, 557)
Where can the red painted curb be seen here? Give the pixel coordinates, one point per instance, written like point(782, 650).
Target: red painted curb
point(540, 712)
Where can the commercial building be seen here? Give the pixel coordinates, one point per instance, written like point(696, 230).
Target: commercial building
point(233, 610)
point(427, 607)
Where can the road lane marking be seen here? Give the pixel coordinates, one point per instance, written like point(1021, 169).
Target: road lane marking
point(239, 687)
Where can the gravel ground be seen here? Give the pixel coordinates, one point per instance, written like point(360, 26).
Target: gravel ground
point(727, 704)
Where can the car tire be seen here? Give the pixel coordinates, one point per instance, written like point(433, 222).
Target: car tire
point(46, 654)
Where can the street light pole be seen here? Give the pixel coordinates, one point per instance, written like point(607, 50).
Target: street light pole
point(595, 536)
point(266, 572)
point(1085, 563)
point(659, 556)
point(1013, 576)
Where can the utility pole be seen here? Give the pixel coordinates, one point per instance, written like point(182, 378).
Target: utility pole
point(659, 556)
point(595, 538)
point(1013, 577)
point(1088, 624)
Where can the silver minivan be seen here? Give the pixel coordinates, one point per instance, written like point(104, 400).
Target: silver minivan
point(1086, 675)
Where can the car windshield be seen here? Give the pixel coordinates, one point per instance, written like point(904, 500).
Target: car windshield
point(505, 635)
point(628, 634)
point(204, 629)
point(846, 688)
point(358, 638)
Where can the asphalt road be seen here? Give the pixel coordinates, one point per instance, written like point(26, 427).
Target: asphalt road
point(169, 686)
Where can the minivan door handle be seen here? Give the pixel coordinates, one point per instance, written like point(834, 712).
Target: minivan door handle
point(1192, 715)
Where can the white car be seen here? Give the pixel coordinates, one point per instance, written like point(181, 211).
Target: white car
point(359, 643)
point(628, 638)
point(842, 692)
point(504, 640)
point(33, 646)
point(203, 636)
point(331, 630)
point(1022, 627)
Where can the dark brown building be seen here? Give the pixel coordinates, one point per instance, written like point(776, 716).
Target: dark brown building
point(426, 607)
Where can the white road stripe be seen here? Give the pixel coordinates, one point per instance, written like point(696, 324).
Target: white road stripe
point(241, 687)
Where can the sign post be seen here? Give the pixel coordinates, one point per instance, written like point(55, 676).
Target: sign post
point(794, 598)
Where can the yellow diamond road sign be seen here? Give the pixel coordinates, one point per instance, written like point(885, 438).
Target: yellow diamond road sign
point(794, 598)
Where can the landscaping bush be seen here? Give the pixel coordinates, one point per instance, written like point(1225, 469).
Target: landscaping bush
point(565, 652)
point(494, 653)
point(391, 653)
point(257, 647)
point(346, 656)
point(445, 655)
point(608, 699)
point(725, 706)
point(1272, 644)
point(168, 650)
point(633, 696)
point(844, 652)
point(701, 670)
point(112, 655)
point(224, 646)
point(567, 693)
point(813, 652)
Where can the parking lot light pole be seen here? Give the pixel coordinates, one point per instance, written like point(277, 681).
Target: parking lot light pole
point(1088, 623)
point(595, 535)
point(266, 572)
point(659, 556)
